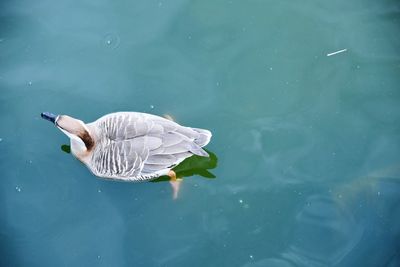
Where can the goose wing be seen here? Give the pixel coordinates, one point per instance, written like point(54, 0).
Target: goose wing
point(138, 146)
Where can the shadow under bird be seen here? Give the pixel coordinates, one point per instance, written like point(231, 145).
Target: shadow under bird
point(131, 146)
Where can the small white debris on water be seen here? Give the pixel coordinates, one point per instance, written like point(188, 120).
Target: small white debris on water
point(336, 52)
point(152, 106)
point(270, 68)
point(98, 256)
point(251, 256)
point(1, 139)
point(240, 201)
point(99, 191)
point(18, 189)
point(30, 82)
point(111, 40)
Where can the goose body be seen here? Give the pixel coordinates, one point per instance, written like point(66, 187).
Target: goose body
point(131, 146)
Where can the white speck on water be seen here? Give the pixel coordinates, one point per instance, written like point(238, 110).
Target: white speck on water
point(241, 201)
point(18, 189)
point(251, 257)
point(379, 193)
point(336, 52)
point(270, 68)
point(1, 139)
point(99, 191)
point(30, 82)
point(98, 257)
point(152, 106)
point(111, 40)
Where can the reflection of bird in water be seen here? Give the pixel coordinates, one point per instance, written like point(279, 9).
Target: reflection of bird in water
point(131, 146)
point(194, 165)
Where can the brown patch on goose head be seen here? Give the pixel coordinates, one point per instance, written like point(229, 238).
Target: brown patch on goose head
point(87, 139)
point(75, 127)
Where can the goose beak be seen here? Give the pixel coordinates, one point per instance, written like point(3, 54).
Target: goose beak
point(49, 116)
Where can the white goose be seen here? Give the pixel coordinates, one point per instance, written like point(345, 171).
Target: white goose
point(131, 146)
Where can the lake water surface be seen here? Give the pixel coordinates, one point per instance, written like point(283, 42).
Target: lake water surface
point(307, 144)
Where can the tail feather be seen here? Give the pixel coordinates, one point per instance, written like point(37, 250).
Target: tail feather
point(203, 138)
point(197, 150)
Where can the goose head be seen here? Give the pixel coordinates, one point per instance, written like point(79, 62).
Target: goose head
point(76, 130)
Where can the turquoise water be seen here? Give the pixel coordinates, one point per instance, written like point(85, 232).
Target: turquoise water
point(308, 144)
